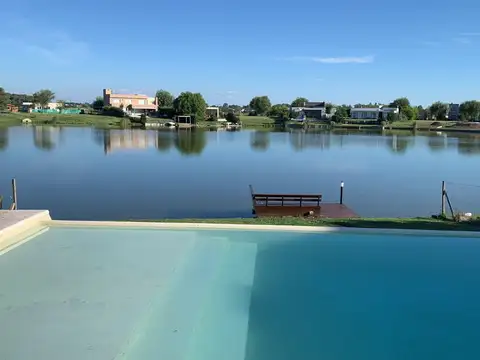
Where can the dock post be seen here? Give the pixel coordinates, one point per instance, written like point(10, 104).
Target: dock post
point(444, 190)
point(341, 192)
point(14, 193)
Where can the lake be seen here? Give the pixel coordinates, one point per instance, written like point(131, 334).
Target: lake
point(86, 173)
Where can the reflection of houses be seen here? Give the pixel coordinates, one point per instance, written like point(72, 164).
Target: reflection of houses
point(138, 103)
point(310, 110)
point(46, 137)
point(372, 114)
point(301, 140)
point(129, 139)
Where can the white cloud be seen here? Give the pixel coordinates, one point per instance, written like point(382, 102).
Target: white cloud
point(335, 60)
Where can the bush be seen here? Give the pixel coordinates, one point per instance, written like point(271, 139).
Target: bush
point(113, 111)
point(231, 117)
point(212, 118)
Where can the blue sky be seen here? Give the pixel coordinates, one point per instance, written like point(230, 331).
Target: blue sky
point(339, 51)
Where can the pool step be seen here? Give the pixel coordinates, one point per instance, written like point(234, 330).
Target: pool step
point(221, 332)
point(170, 327)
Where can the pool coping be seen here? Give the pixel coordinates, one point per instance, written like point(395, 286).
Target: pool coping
point(18, 225)
point(289, 228)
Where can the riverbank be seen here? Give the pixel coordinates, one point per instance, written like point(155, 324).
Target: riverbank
point(62, 119)
point(374, 223)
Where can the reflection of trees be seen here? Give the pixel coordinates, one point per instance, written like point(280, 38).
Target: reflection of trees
point(190, 141)
point(437, 142)
point(399, 144)
point(164, 140)
point(43, 137)
point(469, 146)
point(260, 140)
point(3, 138)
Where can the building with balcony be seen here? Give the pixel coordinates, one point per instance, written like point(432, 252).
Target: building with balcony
point(372, 114)
point(310, 110)
point(133, 103)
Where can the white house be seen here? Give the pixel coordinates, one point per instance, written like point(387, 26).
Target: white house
point(370, 114)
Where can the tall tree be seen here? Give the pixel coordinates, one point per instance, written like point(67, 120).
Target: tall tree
point(470, 110)
point(165, 99)
point(281, 111)
point(98, 103)
point(3, 99)
point(438, 110)
point(43, 97)
point(188, 103)
point(261, 104)
point(409, 112)
point(299, 101)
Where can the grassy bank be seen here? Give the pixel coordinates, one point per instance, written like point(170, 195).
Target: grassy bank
point(379, 223)
point(61, 119)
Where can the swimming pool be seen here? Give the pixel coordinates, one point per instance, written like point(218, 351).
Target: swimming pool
point(129, 293)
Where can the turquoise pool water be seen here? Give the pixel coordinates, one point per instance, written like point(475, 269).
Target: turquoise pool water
point(85, 293)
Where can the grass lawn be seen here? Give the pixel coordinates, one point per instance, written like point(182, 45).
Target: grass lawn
point(255, 120)
point(381, 223)
point(61, 119)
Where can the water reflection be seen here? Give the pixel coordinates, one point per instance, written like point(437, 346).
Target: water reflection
point(3, 138)
point(165, 140)
point(260, 140)
point(190, 141)
point(194, 141)
point(45, 137)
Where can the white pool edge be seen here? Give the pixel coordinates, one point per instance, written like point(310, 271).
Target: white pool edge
point(283, 228)
point(28, 224)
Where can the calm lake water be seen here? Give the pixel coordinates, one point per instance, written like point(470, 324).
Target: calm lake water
point(86, 173)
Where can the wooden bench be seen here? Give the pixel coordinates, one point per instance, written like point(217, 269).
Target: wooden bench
point(267, 205)
point(296, 200)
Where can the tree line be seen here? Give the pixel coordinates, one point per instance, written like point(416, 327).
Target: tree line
point(194, 104)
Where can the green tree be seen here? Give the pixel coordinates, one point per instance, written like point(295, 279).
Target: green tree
point(328, 108)
point(409, 112)
point(392, 117)
point(231, 117)
point(190, 141)
point(280, 111)
point(98, 104)
point(470, 110)
point(165, 99)
point(261, 104)
point(43, 97)
point(299, 102)
point(4, 99)
point(438, 110)
point(188, 103)
point(129, 107)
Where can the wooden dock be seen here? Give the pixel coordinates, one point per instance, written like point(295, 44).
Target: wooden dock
point(303, 205)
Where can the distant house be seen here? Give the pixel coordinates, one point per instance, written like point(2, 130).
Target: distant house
point(12, 108)
point(454, 112)
point(372, 114)
point(139, 103)
point(310, 110)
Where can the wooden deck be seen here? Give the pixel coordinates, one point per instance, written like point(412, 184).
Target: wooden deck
point(304, 205)
point(332, 211)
